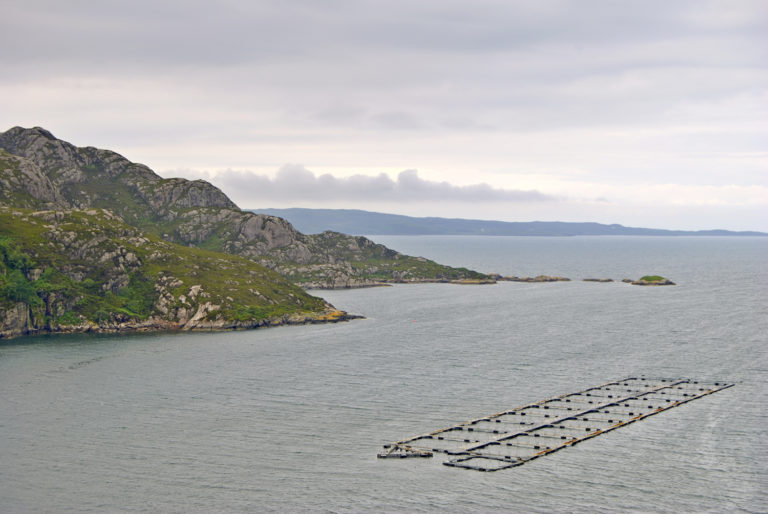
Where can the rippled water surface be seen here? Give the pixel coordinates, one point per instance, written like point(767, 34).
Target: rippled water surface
point(291, 418)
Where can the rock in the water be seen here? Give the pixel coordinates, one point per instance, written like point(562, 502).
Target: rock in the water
point(653, 280)
point(539, 278)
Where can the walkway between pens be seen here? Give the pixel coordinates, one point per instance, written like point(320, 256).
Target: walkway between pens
point(513, 437)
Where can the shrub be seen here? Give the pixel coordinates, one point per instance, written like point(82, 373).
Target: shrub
point(18, 289)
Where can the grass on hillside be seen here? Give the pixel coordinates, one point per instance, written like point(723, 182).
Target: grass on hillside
point(67, 262)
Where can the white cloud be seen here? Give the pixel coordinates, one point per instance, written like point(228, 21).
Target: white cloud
point(294, 183)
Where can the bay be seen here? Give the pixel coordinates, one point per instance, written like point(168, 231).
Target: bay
point(291, 418)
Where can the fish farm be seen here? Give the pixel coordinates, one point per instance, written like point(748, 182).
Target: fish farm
point(513, 437)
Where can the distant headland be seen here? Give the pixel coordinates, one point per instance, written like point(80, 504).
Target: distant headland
point(359, 222)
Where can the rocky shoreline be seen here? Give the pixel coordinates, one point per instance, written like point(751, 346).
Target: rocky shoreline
point(538, 278)
point(18, 322)
point(362, 284)
point(648, 280)
point(492, 278)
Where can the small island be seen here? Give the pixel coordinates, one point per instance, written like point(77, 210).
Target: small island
point(650, 280)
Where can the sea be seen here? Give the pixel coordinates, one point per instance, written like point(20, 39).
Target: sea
point(290, 419)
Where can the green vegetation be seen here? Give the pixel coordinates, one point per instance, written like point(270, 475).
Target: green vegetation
point(362, 261)
point(79, 267)
point(14, 285)
point(652, 278)
point(411, 267)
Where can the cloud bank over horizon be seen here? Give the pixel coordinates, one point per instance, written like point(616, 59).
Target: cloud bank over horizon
point(295, 183)
point(672, 206)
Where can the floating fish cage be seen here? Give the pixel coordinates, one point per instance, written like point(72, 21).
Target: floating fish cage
point(513, 437)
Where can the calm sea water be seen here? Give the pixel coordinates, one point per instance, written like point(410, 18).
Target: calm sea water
point(291, 419)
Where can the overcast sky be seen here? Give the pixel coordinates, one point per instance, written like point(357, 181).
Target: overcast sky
point(646, 113)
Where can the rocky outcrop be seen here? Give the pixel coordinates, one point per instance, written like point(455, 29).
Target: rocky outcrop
point(539, 278)
point(603, 280)
point(14, 320)
point(23, 184)
point(111, 181)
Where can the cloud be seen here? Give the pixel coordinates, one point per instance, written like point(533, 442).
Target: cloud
point(509, 92)
point(294, 183)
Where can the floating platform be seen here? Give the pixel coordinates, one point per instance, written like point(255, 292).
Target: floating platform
point(513, 437)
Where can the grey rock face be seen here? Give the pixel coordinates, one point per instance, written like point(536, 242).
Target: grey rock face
point(15, 320)
point(65, 166)
point(31, 185)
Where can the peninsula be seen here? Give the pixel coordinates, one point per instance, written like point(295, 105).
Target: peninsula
point(90, 241)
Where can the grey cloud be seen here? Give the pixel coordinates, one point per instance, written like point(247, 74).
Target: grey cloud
point(627, 92)
point(182, 34)
point(293, 183)
point(403, 65)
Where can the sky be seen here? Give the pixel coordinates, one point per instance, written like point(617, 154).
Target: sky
point(644, 113)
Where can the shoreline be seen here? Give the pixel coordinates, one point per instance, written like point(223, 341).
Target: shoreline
point(492, 278)
point(307, 286)
point(165, 326)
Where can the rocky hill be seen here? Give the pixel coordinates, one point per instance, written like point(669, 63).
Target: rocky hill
point(39, 171)
point(90, 241)
point(87, 270)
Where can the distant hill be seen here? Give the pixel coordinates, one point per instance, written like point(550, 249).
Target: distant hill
point(358, 222)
